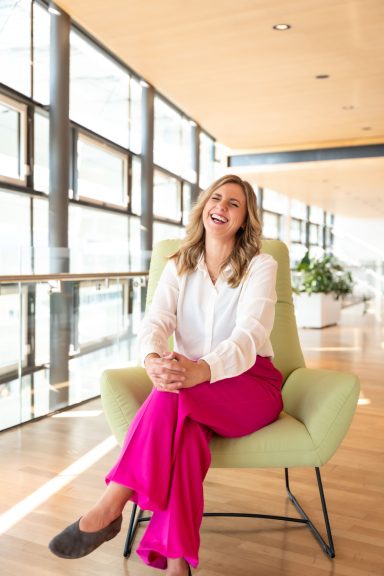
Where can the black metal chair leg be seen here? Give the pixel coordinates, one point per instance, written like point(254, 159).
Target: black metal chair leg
point(328, 547)
point(136, 518)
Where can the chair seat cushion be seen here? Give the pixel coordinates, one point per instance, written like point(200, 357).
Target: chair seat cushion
point(284, 443)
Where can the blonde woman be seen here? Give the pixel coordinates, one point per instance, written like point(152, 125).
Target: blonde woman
point(217, 296)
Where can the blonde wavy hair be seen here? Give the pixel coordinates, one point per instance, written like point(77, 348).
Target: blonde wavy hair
point(247, 242)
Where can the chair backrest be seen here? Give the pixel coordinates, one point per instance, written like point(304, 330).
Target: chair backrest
point(284, 337)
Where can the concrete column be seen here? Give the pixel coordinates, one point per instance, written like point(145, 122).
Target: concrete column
point(148, 121)
point(59, 142)
point(60, 300)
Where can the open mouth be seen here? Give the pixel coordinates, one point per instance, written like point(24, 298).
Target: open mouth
point(218, 219)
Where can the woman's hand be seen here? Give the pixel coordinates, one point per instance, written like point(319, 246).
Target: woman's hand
point(166, 374)
point(194, 372)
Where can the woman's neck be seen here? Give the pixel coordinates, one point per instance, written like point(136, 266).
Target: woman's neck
point(216, 253)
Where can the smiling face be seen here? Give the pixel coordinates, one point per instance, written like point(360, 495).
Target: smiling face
point(225, 211)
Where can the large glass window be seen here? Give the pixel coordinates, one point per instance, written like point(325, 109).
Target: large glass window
point(187, 168)
point(135, 116)
point(187, 202)
point(98, 240)
point(271, 225)
point(297, 230)
point(15, 233)
point(163, 231)
point(274, 201)
point(168, 137)
point(136, 186)
point(207, 158)
point(298, 209)
point(12, 140)
point(41, 168)
point(166, 197)
point(99, 91)
point(41, 40)
point(316, 215)
point(15, 45)
point(102, 173)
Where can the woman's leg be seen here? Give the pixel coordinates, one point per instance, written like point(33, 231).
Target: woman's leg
point(233, 407)
point(174, 531)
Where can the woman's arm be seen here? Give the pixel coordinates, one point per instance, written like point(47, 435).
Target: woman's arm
point(160, 319)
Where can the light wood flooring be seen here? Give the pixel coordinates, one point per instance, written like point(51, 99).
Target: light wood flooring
point(33, 455)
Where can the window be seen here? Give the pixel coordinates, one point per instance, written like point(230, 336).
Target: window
point(168, 137)
point(297, 230)
point(102, 173)
point(188, 143)
point(136, 186)
point(271, 225)
point(15, 45)
point(298, 209)
point(207, 170)
point(187, 202)
point(12, 140)
point(41, 167)
point(174, 141)
point(163, 231)
point(41, 41)
point(314, 234)
point(14, 239)
point(316, 215)
point(274, 201)
point(135, 116)
point(99, 91)
point(166, 197)
point(98, 240)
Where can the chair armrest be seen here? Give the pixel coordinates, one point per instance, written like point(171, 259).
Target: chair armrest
point(324, 401)
point(123, 391)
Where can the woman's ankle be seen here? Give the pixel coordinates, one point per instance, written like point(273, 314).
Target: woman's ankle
point(177, 567)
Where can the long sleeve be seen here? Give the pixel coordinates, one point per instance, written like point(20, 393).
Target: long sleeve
point(160, 320)
point(253, 324)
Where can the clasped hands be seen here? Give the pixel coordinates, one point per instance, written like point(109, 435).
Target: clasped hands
point(173, 371)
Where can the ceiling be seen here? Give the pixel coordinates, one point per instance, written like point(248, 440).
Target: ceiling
point(255, 89)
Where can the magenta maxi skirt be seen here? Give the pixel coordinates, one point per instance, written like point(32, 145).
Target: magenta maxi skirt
point(166, 455)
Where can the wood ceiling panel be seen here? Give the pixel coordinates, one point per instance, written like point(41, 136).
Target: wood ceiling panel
point(250, 86)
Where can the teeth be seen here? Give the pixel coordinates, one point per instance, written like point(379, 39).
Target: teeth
point(220, 218)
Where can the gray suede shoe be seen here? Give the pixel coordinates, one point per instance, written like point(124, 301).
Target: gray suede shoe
point(74, 543)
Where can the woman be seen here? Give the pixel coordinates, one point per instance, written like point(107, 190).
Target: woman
point(217, 295)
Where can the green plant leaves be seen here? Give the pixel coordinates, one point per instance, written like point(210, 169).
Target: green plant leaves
point(324, 274)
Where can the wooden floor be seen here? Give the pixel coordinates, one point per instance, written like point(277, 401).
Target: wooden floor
point(32, 457)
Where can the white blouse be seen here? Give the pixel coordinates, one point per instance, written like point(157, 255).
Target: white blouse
point(227, 327)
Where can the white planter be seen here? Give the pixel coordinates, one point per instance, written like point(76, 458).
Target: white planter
point(317, 310)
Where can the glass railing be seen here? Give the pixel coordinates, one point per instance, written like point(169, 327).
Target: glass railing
point(58, 333)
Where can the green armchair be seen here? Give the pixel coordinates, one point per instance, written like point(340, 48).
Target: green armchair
point(318, 405)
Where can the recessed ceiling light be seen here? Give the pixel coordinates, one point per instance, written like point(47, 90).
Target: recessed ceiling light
point(322, 76)
point(282, 27)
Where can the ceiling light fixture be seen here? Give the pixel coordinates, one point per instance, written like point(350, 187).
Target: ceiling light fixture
point(282, 27)
point(322, 76)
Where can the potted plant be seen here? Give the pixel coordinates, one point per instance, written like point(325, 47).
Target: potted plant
point(320, 285)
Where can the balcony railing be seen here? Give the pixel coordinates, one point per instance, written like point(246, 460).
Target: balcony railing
point(58, 333)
